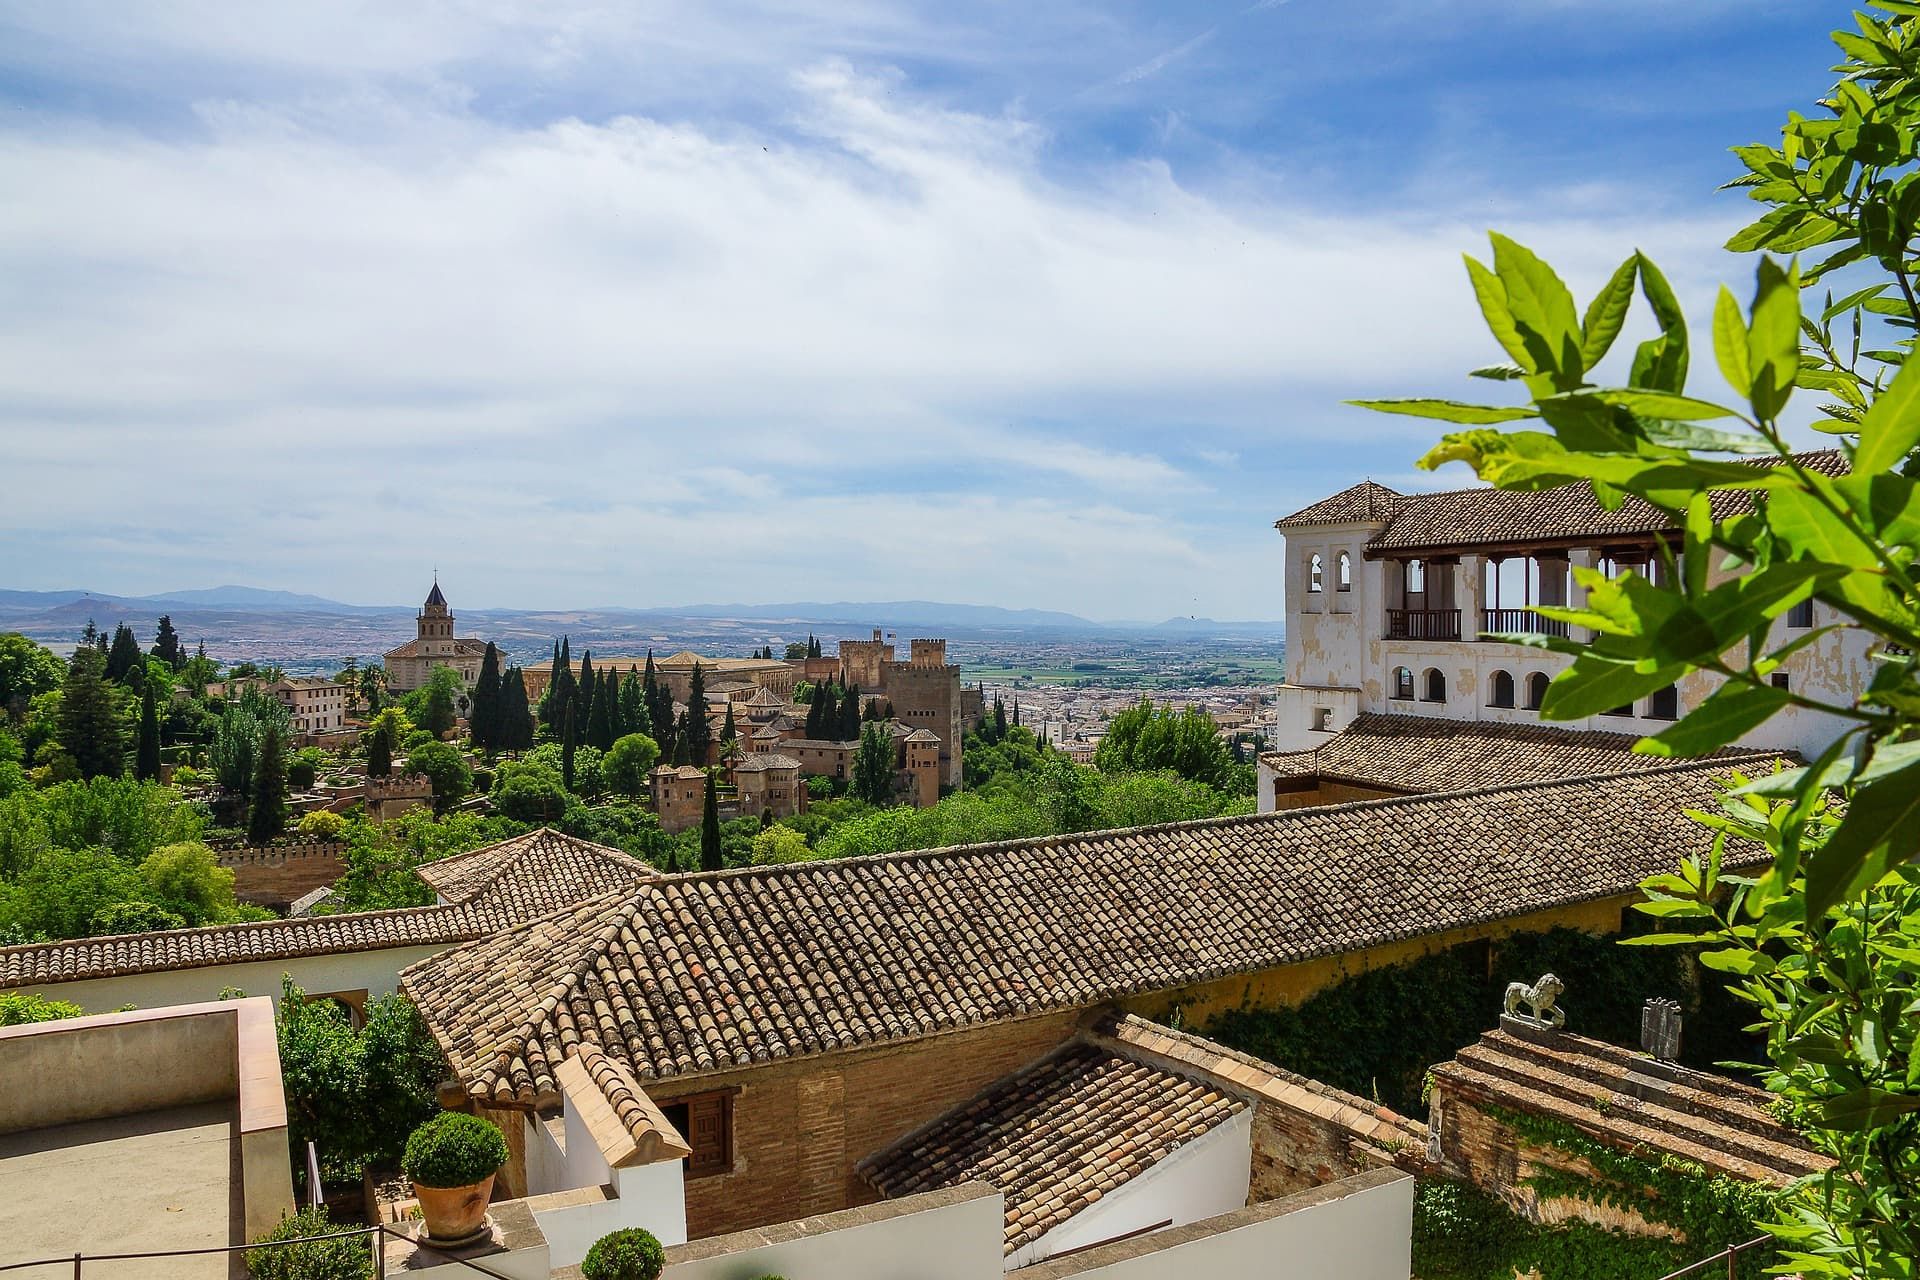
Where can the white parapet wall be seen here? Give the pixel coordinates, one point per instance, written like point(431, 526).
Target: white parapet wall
point(953, 1234)
point(1359, 1228)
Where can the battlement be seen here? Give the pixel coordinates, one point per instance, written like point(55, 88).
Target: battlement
point(273, 875)
point(927, 653)
point(400, 786)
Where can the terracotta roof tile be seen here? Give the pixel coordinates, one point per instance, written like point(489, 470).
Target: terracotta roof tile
point(719, 970)
point(1055, 1136)
point(520, 878)
point(1365, 501)
point(1428, 754)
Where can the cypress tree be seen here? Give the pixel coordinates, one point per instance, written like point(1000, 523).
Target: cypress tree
point(680, 733)
point(873, 766)
point(813, 711)
point(146, 756)
point(1016, 711)
point(582, 694)
point(727, 731)
point(569, 730)
point(90, 729)
point(999, 720)
point(850, 715)
point(699, 732)
point(267, 817)
point(516, 717)
point(166, 644)
point(550, 706)
point(484, 721)
point(600, 730)
point(710, 859)
point(380, 746)
point(634, 714)
point(124, 656)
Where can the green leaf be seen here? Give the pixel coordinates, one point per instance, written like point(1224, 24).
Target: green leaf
point(1662, 404)
point(1606, 313)
point(1684, 435)
point(1447, 410)
point(1660, 364)
point(1849, 302)
point(1744, 963)
point(1864, 1108)
point(1892, 426)
point(1498, 372)
point(1595, 684)
point(1541, 302)
point(1730, 342)
point(1773, 340)
point(1731, 711)
point(1499, 315)
point(1881, 830)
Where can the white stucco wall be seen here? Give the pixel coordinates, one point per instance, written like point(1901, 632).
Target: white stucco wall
point(892, 1240)
point(651, 1196)
point(1366, 1234)
point(1207, 1177)
point(375, 972)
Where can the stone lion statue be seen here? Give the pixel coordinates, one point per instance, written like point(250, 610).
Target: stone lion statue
point(1539, 1000)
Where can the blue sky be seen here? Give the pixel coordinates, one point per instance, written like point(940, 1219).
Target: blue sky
point(1039, 305)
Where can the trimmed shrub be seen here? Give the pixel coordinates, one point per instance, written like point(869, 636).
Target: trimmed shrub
point(453, 1149)
point(349, 1258)
point(628, 1254)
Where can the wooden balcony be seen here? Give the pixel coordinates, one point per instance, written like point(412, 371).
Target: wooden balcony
point(1512, 620)
point(1423, 624)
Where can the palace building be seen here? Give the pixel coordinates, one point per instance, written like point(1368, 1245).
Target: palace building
point(434, 645)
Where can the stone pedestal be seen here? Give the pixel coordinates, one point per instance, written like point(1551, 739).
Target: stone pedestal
point(515, 1247)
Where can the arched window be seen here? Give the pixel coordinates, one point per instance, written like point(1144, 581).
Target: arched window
point(1343, 573)
point(1536, 690)
point(1416, 576)
point(1501, 692)
point(1436, 685)
point(1664, 704)
point(1316, 571)
point(1403, 683)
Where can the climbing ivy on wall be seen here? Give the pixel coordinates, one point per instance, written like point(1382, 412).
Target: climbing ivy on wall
point(1460, 1233)
point(1376, 1033)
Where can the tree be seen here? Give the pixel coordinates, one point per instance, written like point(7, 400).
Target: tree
point(1147, 738)
point(796, 651)
point(383, 738)
point(850, 722)
point(189, 881)
point(373, 689)
point(777, 844)
point(817, 711)
point(711, 857)
point(999, 720)
point(659, 699)
point(146, 754)
point(873, 766)
point(728, 731)
point(515, 716)
point(699, 731)
point(432, 706)
point(606, 697)
point(484, 724)
point(26, 670)
point(629, 763)
point(166, 644)
point(569, 744)
point(90, 721)
point(635, 716)
point(443, 765)
point(527, 791)
point(583, 694)
point(124, 655)
point(267, 808)
point(1822, 942)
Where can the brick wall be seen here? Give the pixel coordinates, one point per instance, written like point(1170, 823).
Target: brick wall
point(1492, 1157)
point(274, 875)
point(800, 1126)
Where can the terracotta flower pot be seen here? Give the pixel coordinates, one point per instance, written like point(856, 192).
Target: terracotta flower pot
point(454, 1213)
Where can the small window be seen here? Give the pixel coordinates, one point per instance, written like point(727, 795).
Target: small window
point(1436, 685)
point(1323, 719)
point(1403, 683)
point(1501, 692)
point(1416, 576)
point(1625, 709)
point(1664, 704)
point(1343, 573)
point(706, 1122)
point(1780, 680)
point(1316, 570)
point(1537, 689)
point(1801, 615)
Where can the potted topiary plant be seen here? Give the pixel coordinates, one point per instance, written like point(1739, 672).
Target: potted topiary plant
point(628, 1254)
point(451, 1161)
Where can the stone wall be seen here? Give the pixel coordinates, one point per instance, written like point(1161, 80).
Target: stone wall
point(928, 697)
point(274, 875)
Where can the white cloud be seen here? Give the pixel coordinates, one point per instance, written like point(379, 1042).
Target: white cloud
point(690, 360)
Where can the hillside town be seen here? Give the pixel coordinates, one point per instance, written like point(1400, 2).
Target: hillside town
point(1541, 903)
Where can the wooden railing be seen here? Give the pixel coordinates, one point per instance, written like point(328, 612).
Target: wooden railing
point(1423, 624)
point(1503, 621)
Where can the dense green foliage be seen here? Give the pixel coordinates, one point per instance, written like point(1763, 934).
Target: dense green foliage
point(631, 1253)
point(92, 719)
point(381, 856)
point(454, 1149)
point(530, 792)
point(873, 766)
point(1146, 739)
point(1376, 1032)
point(445, 766)
point(1460, 1233)
point(435, 705)
point(18, 1008)
point(310, 1257)
point(628, 763)
point(354, 1094)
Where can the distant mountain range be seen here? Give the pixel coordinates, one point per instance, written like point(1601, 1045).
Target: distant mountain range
point(897, 616)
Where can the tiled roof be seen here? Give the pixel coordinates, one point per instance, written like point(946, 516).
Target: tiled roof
point(626, 1125)
point(717, 970)
point(1710, 1120)
point(1364, 502)
point(1492, 517)
point(759, 761)
point(465, 646)
point(504, 884)
point(1426, 753)
point(1056, 1136)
